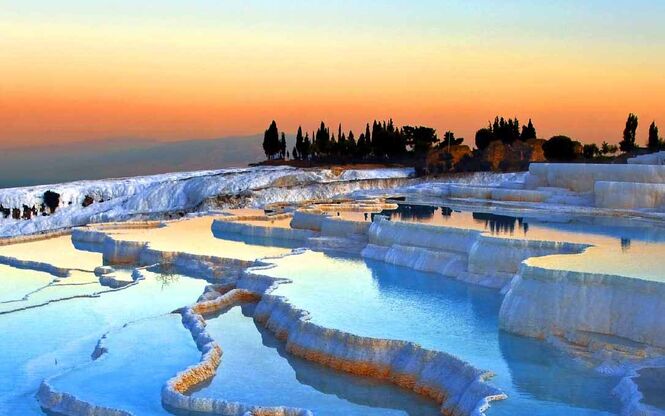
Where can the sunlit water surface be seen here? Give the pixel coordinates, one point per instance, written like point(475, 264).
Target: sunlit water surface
point(379, 300)
point(256, 369)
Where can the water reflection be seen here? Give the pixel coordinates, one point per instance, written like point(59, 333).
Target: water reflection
point(550, 375)
point(617, 232)
point(256, 369)
point(446, 315)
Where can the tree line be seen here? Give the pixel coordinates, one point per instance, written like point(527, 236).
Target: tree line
point(380, 141)
point(383, 141)
point(564, 148)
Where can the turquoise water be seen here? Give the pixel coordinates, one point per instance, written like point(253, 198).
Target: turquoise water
point(49, 340)
point(258, 241)
point(141, 357)
point(651, 383)
point(380, 300)
point(256, 369)
point(18, 283)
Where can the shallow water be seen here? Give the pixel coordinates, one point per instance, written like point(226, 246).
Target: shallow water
point(363, 297)
point(651, 383)
point(58, 251)
point(17, 283)
point(379, 300)
point(256, 369)
point(194, 236)
point(609, 232)
point(51, 339)
point(141, 357)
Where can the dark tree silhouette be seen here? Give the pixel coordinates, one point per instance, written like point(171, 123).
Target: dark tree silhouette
point(559, 148)
point(590, 151)
point(654, 142)
point(298, 151)
point(629, 133)
point(528, 132)
point(282, 146)
point(484, 137)
point(421, 139)
point(271, 144)
point(351, 149)
point(606, 148)
point(450, 140)
point(322, 139)
point(506, 130)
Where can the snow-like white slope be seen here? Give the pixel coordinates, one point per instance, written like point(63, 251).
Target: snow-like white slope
point(657, 158)
point(126, 198)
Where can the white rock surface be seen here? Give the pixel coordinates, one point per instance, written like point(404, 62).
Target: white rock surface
point(135, 197)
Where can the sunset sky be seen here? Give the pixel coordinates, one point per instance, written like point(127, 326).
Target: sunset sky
point(169, 70)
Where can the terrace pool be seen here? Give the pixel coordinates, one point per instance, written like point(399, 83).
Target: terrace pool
point(379, 300)
point(256, 369)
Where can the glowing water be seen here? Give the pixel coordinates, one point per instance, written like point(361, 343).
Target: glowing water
point(379, 300)
point(256, 369)
point(48, 340)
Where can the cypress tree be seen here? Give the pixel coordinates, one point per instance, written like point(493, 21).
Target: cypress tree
point(282, 146)
point(629, 134)
point(654, 142)
point(271, 144)
point(300, 143)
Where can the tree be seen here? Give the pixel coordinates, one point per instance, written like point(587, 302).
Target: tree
point(590, 151)
point(506, 130)
point(351, 144)
point(282, 146)
point(271, 143)
point(559, 148)
point(306, 150)
point(450, 140)
point(322, 139)
point(363, 147)
point(606, 149)
point(420, 138)
point(654, 142)
point(484, 137)
point(528, 132)
point(629, 133)
point(300, 143)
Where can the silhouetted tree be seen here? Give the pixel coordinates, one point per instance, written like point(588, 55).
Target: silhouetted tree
point(506, 130)
point(420, 138)
point(606, 148)
point(322, 139)
point(300, 143)
point(654, 142)
point(590, 151)
point(484, 137)
point(450, 140)
point(271, 143)
point(363, 148)
point(306, 150)
point(282, 146)
point(351, 144)
point(528, 132)
point(559, 148)
point(629, 133)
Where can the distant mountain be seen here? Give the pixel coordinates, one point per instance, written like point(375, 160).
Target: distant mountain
point(119, 158)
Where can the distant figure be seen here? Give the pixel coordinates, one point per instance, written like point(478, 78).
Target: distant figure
point(338, 214)
point(365, 216)
point(56, 361)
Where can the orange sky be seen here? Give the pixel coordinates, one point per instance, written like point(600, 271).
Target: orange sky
point(79, 76)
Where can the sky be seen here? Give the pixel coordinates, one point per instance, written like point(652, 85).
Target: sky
point(73, 71)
